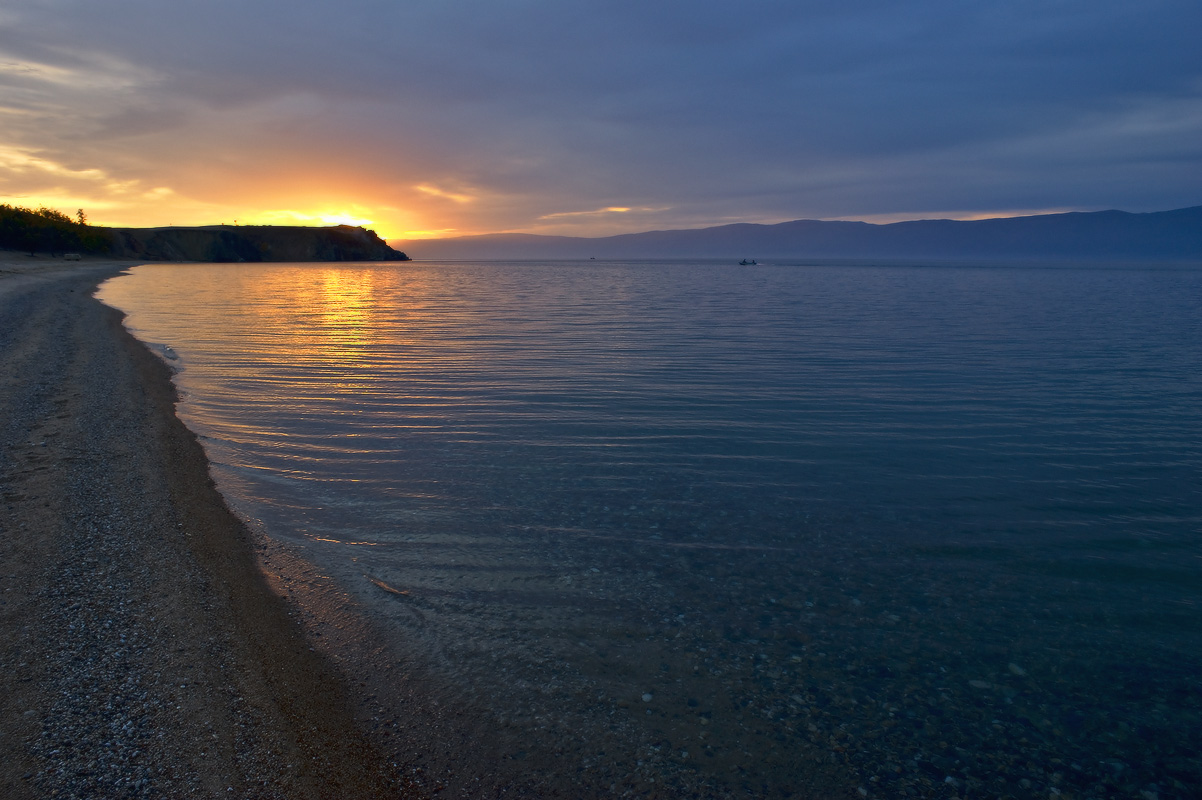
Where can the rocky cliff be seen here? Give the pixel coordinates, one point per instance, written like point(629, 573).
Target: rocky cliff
point(252, 243)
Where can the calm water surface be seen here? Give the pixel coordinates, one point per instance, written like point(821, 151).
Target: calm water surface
point(685, 527)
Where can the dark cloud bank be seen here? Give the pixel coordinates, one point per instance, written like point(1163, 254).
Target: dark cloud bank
point(545, 114)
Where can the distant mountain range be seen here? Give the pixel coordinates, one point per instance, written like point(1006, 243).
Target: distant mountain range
point(1111, 235)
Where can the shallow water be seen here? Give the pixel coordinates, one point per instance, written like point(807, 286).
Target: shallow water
point(871, 525)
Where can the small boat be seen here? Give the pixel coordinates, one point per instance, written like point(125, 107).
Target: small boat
point(746, 263)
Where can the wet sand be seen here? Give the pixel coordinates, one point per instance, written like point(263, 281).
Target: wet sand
point(143, 652)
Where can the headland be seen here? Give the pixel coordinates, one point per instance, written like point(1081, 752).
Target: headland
point(53, 233)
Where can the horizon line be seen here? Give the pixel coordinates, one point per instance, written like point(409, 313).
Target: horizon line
point(879, 220)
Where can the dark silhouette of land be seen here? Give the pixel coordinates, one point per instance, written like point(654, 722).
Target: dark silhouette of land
point(1112, 235)
point(54, 233)
point(253, 243)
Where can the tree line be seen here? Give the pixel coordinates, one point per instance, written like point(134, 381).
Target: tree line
point(45, 230)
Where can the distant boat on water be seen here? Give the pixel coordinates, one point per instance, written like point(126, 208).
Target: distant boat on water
point(746, 263)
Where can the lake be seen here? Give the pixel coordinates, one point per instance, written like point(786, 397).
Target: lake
point(692, 529)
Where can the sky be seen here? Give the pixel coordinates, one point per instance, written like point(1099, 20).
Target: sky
point(422, 118)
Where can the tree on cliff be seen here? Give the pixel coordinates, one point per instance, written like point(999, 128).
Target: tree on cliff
point(49, 231)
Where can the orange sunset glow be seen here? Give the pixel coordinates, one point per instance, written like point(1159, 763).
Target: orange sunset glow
point(587, 122)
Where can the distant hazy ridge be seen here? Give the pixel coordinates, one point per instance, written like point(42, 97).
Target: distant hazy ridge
point(252, 243)
point(1164, 235)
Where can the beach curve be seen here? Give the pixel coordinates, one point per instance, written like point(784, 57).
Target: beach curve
point(144, 653)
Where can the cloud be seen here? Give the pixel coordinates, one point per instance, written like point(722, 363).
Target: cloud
point(478, 116)
point(609, 210)
point(18, 160)
point(434, 191)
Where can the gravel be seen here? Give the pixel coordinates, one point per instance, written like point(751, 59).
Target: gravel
point(142, 653)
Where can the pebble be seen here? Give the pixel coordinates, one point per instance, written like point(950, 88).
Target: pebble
point(109, 726)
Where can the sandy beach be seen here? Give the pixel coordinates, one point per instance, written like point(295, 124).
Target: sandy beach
point(143, 653)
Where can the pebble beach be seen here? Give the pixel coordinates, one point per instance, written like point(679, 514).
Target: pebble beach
point(143, 653)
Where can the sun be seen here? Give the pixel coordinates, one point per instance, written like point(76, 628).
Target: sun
point(344, 219)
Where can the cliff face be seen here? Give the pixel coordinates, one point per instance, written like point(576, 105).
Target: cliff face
point(252, 243)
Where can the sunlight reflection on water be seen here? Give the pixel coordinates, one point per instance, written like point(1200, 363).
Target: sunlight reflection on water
point(745, 472)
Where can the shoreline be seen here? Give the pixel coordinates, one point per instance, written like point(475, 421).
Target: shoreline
point(900, 665)
point(145, 653)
